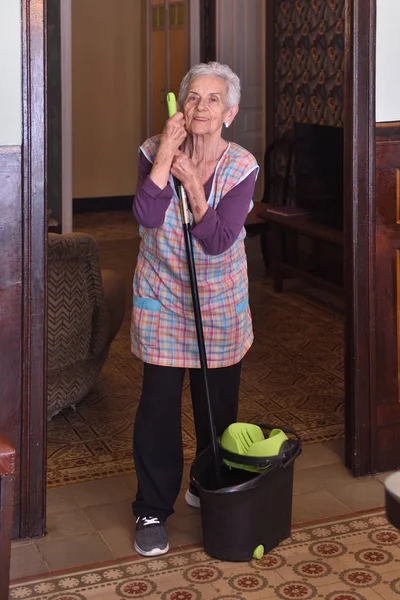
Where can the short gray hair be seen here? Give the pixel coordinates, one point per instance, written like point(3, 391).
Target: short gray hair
point(214, 69)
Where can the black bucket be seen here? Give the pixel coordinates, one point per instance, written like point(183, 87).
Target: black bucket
point(392, 499)
point(249, 509)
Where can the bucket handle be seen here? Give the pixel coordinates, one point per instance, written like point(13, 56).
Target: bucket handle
point(288, 431)
point(252, 461)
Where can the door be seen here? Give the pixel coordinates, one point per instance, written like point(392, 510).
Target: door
point(168, 54)
point(240, 43)
point(372, 239)
point(386, 440)
point(386, 425)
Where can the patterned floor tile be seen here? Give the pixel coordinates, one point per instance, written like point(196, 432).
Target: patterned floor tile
point(348, 558)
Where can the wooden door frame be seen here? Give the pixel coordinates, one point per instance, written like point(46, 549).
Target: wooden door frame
point(23, 334)
point(34, 307)
point(360, 207)
point(208, 18)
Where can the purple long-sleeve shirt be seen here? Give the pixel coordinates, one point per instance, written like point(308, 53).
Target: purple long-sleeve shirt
point(219, 227)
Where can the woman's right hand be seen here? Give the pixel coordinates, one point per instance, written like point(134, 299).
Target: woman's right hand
point(174, 133)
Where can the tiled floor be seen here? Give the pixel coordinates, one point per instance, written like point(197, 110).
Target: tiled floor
point(92, 522)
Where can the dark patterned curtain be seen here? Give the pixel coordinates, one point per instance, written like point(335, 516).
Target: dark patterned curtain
point(308, 69)
point(309, 52)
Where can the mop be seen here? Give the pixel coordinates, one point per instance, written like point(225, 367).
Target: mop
point(226, 535)
point(185, 217)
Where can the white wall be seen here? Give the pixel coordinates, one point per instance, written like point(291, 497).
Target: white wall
point(10, 72)
point(107, 93)
point(388, 61)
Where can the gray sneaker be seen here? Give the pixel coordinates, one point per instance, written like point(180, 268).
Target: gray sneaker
point(151, 536)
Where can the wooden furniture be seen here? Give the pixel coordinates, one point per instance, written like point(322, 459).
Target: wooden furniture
point(7, 481)
point(256, 225)
point(302, 225)
point(276, 190)
point(256, 219)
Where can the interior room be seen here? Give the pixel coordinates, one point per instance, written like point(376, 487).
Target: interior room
point(109, 70)
point(294, 373)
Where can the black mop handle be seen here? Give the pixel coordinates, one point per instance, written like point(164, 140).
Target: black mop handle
point(198, 320)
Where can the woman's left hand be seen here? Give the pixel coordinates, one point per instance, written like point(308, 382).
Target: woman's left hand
point(183, 168)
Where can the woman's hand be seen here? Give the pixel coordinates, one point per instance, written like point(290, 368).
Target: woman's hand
point(183, 168)
point(174, 133)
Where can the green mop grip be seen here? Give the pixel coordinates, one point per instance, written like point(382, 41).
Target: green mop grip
point(171, 103)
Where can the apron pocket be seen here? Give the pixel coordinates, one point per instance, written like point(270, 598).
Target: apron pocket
point(241, 307)
point(243, 322)
point(146, 320)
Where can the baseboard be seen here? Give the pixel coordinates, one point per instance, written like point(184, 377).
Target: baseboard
point(84, 205)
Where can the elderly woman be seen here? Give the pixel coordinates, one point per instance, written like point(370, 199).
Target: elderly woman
point(219, 179)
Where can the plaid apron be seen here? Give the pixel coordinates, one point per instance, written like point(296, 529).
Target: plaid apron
point(163, 330)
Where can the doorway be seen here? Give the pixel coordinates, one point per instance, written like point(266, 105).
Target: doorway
point(164, 20)
point(168, 54)
point(146, 47)
point(360, 193)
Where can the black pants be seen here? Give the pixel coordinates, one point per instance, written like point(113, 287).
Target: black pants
point(157, 441)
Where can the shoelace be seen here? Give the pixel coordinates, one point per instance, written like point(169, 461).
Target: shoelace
point(149, 520)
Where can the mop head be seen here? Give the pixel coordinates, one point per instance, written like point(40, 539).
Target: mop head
point(246, 439)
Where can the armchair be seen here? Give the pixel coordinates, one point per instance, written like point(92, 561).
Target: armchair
point(84, 313)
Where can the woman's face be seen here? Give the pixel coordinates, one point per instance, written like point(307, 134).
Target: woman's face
point(205, 105)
